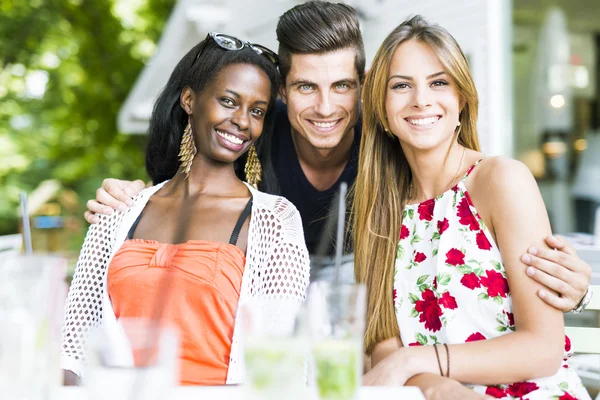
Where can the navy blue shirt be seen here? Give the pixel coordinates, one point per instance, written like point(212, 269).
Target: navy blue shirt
point(314, 205)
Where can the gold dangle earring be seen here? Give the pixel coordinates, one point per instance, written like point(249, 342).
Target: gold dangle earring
point(253, 169)
point(187, 150)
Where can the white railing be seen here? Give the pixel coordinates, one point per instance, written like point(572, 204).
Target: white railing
point(11, 244)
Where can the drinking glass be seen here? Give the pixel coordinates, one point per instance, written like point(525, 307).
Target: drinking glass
point(32, 294)
point(275, 349)
point(133, 359)
point(336, 315)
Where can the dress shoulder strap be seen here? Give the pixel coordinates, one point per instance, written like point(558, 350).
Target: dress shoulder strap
point(238, 226)
point(466, 175)
point(134, 226)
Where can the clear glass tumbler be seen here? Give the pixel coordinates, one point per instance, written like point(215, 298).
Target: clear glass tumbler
point(134, 359)
point(336, 315)
point(275, 349)
point(32, 294)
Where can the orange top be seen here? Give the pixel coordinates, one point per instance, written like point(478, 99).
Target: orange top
point(200, 299)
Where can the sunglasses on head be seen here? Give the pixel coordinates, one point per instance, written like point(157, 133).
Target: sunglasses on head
point(228, 42)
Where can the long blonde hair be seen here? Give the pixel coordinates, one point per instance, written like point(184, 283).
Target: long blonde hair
point(384, 177)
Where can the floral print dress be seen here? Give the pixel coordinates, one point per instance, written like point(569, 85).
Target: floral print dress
point(450, 287)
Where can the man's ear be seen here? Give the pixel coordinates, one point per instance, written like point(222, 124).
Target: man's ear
point(283, 93)
point(186, 99)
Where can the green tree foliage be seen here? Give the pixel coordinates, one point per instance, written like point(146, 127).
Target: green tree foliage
point(88, 53)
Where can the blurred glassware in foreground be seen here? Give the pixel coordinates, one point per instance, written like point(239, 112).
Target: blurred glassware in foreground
point(135, 359)
point(275, 356)
point(336, 315)
point(32, 295)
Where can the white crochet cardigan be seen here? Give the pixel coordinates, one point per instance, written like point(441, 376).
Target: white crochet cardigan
point(277, 268)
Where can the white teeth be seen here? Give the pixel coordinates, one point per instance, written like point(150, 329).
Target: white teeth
point(423, 121)
point(231, 138)
point(324, 124)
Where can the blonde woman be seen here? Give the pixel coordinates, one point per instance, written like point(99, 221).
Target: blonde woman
point(439, 230)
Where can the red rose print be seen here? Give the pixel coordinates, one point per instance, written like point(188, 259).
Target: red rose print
point(404, 232)
point(442, 225)
point(475, 337)
point(482, 242)
point(567, 343)
point(470, 281)
point(395, 294)
point(420, 257)
point(466, 216)
point(520, 389)
point(455, 257)
point(468, 197)
point(429, 310)
point(496, 284)
point(426, 210)
point(435, 283)
point(511, 318)
point(448, 301)
point(414, 344)
point(567, 396)
point(495, 391)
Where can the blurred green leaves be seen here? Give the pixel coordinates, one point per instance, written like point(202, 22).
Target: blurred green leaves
point(66, 66)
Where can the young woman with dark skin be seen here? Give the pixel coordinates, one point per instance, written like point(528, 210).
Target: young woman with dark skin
point(218, 240)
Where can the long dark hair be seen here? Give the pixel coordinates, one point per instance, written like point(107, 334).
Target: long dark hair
point(169, 120)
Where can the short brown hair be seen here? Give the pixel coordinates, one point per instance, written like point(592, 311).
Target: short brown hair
point(317, 27)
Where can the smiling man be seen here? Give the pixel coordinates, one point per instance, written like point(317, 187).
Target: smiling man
point(315, 143)
point(317, 133)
